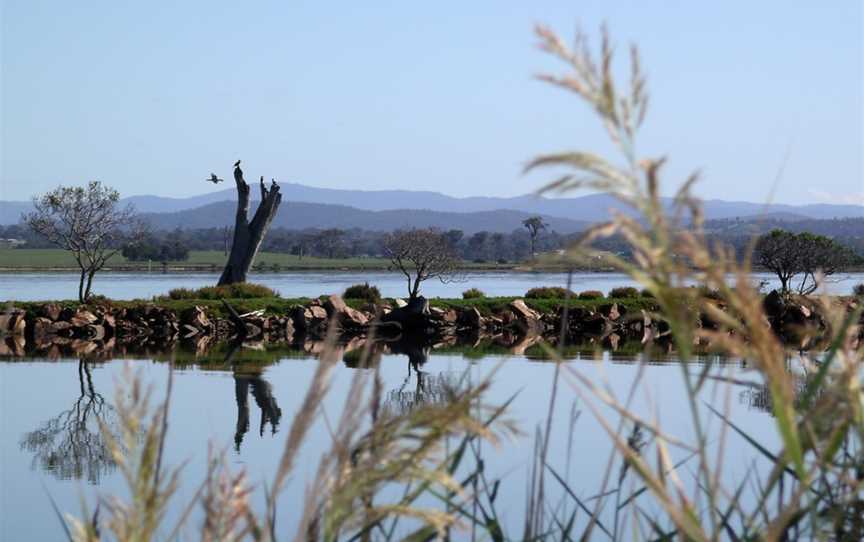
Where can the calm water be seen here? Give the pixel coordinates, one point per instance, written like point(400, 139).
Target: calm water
point(50, 446)
point(41, 286)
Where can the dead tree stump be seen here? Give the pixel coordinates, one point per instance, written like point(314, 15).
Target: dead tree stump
point(248, 235)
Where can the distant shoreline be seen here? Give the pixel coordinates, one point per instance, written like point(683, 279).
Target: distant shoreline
point(155, 270)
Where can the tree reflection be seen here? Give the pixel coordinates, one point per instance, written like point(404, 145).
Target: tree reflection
point(72, 444)
point(426, 389)
point(262, 391)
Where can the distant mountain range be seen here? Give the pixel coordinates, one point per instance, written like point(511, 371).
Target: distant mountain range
point(299, 215)
point(310, 207)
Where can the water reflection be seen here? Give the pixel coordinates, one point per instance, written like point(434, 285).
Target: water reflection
point(73, 444)
point(246, 378)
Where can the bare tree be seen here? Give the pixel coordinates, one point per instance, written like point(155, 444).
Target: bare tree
point(248, 235)
point(422, 254)
point(88, 222)
point(535, 225)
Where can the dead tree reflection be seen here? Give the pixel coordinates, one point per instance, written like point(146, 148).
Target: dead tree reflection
point(251, 378)
point(72, 445)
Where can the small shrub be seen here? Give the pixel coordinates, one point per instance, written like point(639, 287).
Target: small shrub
point(548, 292)
point(473, 293)
point(363, 291)
point(858, 289)
point(591, 294)
point(623, 292)
point(241, 290)
point(646, 293)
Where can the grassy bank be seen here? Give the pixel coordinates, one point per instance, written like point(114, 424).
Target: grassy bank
point(40, 259)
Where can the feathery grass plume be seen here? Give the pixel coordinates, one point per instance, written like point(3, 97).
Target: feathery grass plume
point(401, 446)
point(136, 449)
point(821, 434)
point(225, 501)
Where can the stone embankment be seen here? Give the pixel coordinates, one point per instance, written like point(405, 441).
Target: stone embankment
point(83, 329)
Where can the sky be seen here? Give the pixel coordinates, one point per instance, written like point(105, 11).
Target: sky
point(765, 98)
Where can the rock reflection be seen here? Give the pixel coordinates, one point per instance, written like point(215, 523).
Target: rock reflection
point(73, 444)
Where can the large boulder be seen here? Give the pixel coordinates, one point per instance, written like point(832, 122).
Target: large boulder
point(344, 315)
point(527, 317)
point(413, 316)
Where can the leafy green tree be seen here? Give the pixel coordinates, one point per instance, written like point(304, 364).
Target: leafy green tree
point(534, 225)
point(789, 255)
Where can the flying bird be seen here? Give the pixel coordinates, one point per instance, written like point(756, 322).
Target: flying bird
point(214, 179)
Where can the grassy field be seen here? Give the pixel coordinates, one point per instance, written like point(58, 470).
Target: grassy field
point(13, 259)
point(37, 259)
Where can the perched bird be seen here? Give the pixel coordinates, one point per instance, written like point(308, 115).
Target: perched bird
point(237, 163)
point(214, 179)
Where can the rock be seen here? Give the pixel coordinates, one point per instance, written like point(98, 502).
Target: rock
point(413, 316)
point(527, 317)
point(343, 314)
point(471, 318)
point(444, 317)
point(42, 326)
point(317, 312)
point(83, 318)
point(197, 318)
point(522, 311)
point(50, 311)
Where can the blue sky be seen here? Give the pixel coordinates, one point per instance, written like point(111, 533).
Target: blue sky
point(151, 96)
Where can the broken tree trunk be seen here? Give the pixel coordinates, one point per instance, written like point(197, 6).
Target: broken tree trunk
point(249, 234)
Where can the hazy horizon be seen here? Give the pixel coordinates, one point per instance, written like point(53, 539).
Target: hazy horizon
point(151, 98)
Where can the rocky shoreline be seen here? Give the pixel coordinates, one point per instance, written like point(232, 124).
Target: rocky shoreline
point(103, 327)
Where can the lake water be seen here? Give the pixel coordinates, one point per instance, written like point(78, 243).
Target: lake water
point(49, 441)
point(44, 286)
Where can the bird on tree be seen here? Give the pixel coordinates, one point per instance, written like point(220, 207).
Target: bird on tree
point(214, 179)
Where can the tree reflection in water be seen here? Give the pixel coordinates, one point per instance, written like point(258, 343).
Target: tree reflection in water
point(72, 445)
point(262, 391)
point(427, 389)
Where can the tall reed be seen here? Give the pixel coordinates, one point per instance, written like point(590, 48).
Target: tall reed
point(821, 458)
